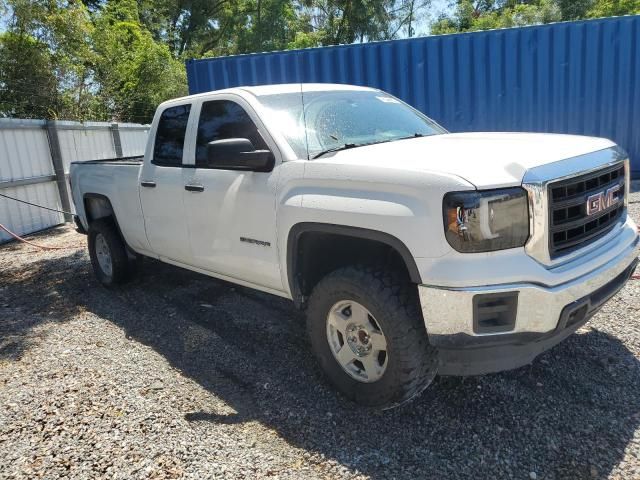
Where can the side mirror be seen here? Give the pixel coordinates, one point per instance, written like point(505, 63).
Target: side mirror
point(238, 154)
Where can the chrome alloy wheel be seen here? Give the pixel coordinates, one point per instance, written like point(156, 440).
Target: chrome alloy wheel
point(357, 341)
point(103, 255)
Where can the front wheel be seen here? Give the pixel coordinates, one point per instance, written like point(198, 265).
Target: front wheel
point(367, 331)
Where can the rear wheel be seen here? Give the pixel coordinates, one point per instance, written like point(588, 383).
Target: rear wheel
point(108, 253)
point(366, 329)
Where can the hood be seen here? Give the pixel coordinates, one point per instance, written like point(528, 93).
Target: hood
point(487, 160)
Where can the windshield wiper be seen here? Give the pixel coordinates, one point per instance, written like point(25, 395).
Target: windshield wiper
point(388, 140)
point(415, 135)
point(346, 146)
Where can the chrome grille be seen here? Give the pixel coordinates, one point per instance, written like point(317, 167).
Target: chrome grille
point(570, 225)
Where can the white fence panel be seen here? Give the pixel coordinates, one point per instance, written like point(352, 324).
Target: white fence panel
point(24, 149)
point(133, 139)
point(84, 141)
point(80, 142)
point(28, 153)
point(23, 219)
point(25, 157)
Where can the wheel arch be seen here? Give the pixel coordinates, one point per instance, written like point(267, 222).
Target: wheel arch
point(98, 205)
point(372, 238)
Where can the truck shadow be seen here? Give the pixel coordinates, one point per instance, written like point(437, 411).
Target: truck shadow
point(569, 415)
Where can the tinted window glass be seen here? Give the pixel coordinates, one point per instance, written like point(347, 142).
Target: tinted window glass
point(222, 119)
point(170, 135)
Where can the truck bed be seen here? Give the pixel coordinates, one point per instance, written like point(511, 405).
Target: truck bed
point(114, 179)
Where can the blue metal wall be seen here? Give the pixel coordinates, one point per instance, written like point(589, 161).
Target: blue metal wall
point(575, 77)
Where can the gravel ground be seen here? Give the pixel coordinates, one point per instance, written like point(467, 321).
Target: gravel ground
point(179, 375)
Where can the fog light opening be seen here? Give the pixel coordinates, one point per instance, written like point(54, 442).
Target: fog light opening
point(495, 312)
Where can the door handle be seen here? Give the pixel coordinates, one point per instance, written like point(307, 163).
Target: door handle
point(148, 184)
point(194, 188)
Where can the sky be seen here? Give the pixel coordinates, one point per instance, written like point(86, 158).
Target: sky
point(434, 11)
point(3, 23)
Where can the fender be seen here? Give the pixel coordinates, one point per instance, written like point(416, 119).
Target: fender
point(355, 232)
point(100, 196)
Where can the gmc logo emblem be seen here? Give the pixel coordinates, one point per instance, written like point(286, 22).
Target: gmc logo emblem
point(603, 200)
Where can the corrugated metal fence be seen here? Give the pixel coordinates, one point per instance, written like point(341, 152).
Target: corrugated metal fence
point(34, 164)
point(574, 77)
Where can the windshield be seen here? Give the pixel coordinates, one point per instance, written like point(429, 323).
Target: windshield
point(338, 118)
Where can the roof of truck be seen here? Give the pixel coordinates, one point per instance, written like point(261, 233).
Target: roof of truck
point(275, 89)
point(296, 87)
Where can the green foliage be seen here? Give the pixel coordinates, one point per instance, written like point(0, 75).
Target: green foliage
point(610, 8)
point(250, 26)
point(486, 15)
point(469, 15)
point(134, 73)
point(26, 73)
point(334, 22)
point(574, 9)
point(53, 35)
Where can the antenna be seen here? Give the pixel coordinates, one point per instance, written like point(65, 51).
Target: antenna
point(304, 117)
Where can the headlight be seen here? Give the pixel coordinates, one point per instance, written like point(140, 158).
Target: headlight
point(483, 221)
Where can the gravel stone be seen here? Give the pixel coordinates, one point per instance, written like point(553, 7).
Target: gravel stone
point(178, 375)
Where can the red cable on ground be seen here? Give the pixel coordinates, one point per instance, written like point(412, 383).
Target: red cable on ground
point(19, 238)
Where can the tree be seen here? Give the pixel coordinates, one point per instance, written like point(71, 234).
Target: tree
point(609, 8)
point(264, 25)
point(407, 14)
point(333, 22)
point(574, 9)
point(134, 73)
point(54, 32)
point(186, 25)
point(486, 14)
point(28, 86)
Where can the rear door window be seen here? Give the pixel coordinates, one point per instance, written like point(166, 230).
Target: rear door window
point(170, 135)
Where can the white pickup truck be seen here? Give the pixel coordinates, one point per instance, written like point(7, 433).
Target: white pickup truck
point(413, 251)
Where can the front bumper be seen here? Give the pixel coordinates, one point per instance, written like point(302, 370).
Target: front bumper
point(544, 316)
